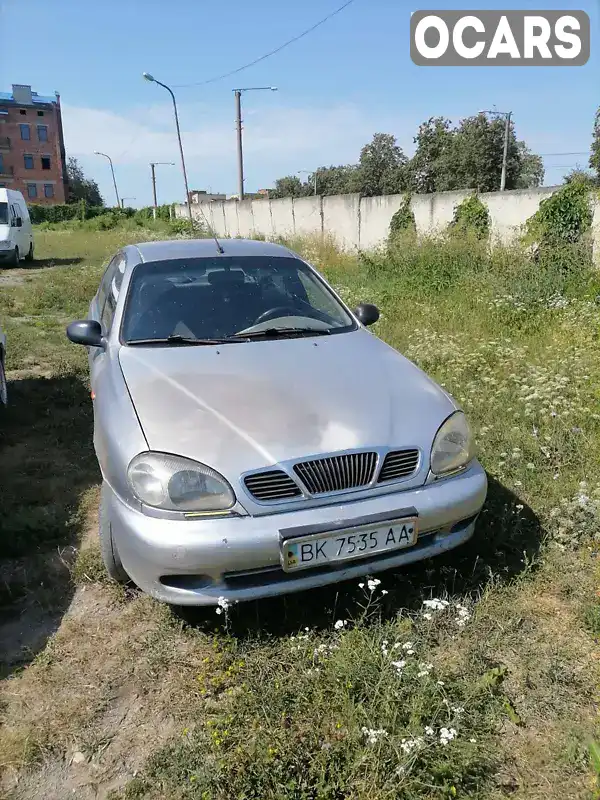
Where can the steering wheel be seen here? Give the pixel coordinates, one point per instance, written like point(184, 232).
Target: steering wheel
point(273, 313)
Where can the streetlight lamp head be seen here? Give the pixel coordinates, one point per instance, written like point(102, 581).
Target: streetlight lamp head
point(273, 88)
point(96, 153)
point(148, 77)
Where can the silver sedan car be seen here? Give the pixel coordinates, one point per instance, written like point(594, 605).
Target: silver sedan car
point(254, 437)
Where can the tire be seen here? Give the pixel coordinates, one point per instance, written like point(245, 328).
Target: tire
point(110, 555)
point(29, 256)
point(3, 386)
point(14, 261)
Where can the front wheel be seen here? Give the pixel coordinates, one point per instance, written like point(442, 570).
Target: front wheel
point(110, 554)
point(14, 259)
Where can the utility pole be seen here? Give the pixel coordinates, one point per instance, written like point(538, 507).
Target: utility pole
point(153, 164)
point(238, 127)
point(507, 115)
point(154, 203)
point(505, 152)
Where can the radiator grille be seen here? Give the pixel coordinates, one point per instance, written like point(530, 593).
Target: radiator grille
point(336, 473)
point(398, 464)
point(272, 485)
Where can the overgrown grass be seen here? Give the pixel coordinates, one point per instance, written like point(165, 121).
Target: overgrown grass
point(471, 676)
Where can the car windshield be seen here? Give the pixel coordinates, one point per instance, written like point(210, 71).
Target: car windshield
point(223, 297)
point(3, 213)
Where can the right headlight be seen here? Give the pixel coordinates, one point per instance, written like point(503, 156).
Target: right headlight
point(175, 483)
point(453, 446)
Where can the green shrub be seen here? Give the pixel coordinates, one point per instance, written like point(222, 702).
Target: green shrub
point(163, 212)
point(562, 218)
point(471, 217)
point(66, 212)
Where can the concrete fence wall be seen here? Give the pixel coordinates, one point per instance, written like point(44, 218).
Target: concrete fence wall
point(363, 223)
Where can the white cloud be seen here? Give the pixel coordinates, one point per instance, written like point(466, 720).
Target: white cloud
point(277, 141)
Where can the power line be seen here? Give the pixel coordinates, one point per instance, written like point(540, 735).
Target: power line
point(567, 166)
point(583, 153)
point(269, 54)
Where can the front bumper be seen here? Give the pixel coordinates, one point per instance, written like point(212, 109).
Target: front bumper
point(7, 255)
point(194, 562)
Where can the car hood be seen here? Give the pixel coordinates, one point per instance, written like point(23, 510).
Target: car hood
point(239, 407)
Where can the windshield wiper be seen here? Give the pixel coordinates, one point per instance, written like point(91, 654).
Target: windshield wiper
point(176, 338)
point(274, 333)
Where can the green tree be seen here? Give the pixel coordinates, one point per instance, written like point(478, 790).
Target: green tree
point(595, 157)
point(382, 167)
point(530, 169)
point(583, 176)
point(336, 180)
point(80, 187)
point(475, 161)
point(289, 186)
point(429, 167)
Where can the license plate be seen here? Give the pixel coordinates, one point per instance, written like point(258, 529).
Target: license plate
point(346, 545)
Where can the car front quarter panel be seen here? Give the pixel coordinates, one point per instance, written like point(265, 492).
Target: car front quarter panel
point(118, 436)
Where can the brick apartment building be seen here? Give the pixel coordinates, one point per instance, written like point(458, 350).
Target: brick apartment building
point(32, 149)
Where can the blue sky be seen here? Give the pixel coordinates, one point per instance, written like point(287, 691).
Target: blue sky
point(337, 86)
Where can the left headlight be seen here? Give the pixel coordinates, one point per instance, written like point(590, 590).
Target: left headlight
point(453, 446)
point(174, 483)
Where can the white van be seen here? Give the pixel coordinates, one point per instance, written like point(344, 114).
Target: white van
point(16, 230)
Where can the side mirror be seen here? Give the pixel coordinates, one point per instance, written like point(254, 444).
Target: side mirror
point(367, 313)
point(87, 332)
point(18, 222)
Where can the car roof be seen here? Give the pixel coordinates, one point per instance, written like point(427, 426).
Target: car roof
point(207, 248)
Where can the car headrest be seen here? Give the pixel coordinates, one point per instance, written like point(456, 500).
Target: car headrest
point(226, 277)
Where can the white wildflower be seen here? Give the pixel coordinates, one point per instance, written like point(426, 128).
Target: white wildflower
point(339, 624)
point(399, 666)
point(373, 583)
point(222, 605)
point(446, 735)
point(373, 735)
point(429, 730)
point(436, 604)
point(408, 745)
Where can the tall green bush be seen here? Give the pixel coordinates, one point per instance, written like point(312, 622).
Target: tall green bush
point(471, 217)
point(403, 222)
point(563, 217)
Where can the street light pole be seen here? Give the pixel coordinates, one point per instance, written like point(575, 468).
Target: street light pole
point(112, 169)
point(507, 116)
point(153, 164)
point(314, 174)
point(238, 126)
point(152, 79)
